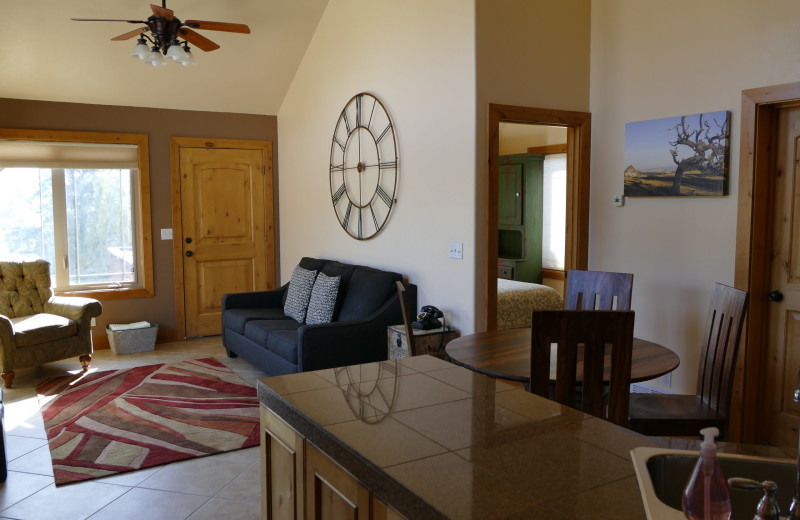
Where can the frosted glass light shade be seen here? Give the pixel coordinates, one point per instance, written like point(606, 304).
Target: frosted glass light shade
point(140, 51)
point(158, 59)
point(188, 59)
point(175, 52)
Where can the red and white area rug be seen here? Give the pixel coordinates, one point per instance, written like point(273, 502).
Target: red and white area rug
point(103, 423)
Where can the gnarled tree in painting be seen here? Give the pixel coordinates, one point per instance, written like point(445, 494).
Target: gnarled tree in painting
point(707, 146)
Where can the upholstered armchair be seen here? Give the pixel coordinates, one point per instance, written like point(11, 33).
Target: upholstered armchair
point(37, 327)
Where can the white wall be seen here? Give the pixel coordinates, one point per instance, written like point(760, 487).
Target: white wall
point(651, 60)
point(417, 57)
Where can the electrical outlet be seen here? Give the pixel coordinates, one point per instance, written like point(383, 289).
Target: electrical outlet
point(166, 234)
point(456, 250)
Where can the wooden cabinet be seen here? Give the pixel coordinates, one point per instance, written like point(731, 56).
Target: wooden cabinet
point(331, 493)
point(509, 207)
point(299, 481)
point(520, 217)
point(282, 469)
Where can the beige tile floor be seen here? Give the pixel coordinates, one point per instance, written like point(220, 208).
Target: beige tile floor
point(218, 486)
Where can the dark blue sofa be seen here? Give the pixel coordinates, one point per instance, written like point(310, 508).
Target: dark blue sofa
point(255, 327)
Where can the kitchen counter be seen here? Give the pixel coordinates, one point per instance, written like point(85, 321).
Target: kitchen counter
point(433, 440)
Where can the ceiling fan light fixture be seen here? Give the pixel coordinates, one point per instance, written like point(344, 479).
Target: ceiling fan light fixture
point(188, 57)
point(141, 50)
point(175, 52)
point(156, 58)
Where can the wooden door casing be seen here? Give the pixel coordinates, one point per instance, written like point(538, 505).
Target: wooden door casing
point(222, 225)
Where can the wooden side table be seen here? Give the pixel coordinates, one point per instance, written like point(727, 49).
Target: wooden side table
point(430, 341)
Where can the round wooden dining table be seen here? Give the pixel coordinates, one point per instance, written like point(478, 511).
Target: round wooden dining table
point(506, 354)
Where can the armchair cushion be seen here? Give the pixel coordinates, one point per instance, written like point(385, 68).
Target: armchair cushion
point(39, 328)
point(24, 287)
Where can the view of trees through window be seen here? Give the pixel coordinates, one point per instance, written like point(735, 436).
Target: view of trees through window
point(80, 220)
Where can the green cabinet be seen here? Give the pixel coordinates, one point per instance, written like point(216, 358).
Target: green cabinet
point(520, 214)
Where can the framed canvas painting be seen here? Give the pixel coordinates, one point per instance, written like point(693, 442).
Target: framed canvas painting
point(678, 156)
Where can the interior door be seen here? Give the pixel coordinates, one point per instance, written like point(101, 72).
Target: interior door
point(226, 225)
point(783, 359)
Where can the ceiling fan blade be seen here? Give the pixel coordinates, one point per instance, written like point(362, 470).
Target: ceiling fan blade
point(129, 35)
point(169, 14)
point(218, 26)
point(105, 20)
point(198, 40)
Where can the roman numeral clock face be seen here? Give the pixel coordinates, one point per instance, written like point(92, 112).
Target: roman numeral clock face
point(364, 167)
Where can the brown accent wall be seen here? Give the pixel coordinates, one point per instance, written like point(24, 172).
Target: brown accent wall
point(159, 125)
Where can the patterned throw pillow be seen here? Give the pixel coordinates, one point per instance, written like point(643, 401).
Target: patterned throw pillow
point(299, 293)
point(323, 299)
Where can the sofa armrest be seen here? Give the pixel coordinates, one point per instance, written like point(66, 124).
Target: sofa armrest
point(250, 300)
point(7, 342)
point(73, 307)
point(345, 343)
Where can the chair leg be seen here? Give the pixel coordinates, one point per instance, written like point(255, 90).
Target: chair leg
point(8, 378)
point(85, 360)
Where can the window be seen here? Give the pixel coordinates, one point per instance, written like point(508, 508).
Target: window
point(554, 211)
point(80, 204)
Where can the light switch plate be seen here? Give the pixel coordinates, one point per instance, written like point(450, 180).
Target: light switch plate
point(619, 200)
point(166, 234)
point(457, 250)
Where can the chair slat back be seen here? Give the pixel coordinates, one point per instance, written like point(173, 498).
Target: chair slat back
point(596, 290)
point(596, 331)
point(408, 316)
point(720, 347)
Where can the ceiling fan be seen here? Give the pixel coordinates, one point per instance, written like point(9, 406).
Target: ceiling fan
point(165, 34)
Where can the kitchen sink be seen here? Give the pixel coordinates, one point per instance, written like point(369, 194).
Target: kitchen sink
point(663, 473)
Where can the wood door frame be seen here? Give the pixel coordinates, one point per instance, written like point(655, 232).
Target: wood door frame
point(754, 248)
point(578, 125)
point(175, 145)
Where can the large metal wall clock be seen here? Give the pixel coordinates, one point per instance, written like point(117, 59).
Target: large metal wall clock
point(364, 167)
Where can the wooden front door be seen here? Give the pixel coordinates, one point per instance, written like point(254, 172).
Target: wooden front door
point(226, 240)
point(783, 359)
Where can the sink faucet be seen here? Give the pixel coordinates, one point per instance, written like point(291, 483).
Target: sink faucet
point(794, 509)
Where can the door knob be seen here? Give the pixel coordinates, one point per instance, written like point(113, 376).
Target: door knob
point(188, 240)
point(189, 253)
point(775, 296)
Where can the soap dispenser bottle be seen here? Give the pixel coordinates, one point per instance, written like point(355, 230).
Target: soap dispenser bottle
point(706, 496)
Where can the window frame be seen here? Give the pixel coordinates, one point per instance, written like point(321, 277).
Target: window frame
point(141, 210)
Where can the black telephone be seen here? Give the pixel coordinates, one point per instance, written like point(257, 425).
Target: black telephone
point(428, 318)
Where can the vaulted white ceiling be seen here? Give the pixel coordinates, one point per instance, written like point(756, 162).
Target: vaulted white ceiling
point(46, 56)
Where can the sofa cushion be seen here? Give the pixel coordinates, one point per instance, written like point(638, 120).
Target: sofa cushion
point(323, 299)
point(368, 289)
point(345, 271)
point(259, 331)
point(236, 319)
point(284, 344)
point(299, 293)
point(41, 328)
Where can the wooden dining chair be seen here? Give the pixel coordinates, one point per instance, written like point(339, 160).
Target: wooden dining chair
point(593, 331)
point(685, 415)
point(598, 290)
point(408, 317)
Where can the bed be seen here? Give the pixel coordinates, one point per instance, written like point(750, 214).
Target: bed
point(516, 300)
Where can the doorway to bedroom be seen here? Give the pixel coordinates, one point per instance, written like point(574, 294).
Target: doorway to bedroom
point(532, 203)
point(577, 126)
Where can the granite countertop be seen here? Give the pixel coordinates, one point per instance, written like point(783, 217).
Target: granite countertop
point(435, 440)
